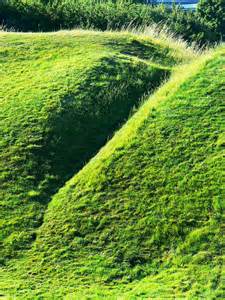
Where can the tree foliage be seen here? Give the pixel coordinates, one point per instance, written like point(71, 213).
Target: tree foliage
point(212, 13)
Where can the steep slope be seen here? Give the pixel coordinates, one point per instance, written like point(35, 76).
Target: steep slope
point(62, 95)
point(150, 202)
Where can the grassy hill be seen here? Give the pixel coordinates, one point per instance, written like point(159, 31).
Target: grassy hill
point(144, 218)
point(62, 96)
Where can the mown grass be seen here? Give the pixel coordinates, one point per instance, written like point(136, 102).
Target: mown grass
point(62, 96)
point(144, 218)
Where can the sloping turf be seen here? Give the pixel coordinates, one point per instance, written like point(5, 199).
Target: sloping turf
point(62, 95)
point(149, 205)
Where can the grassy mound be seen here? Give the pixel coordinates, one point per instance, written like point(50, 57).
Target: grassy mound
point(149, 204)
point(62, 96)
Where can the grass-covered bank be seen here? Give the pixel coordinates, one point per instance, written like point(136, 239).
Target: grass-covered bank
point(50, 15)
point(62, 96)
point(149, 204)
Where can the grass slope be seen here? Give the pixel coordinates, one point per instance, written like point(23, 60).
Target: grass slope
point(148, 205)
point(61, 96)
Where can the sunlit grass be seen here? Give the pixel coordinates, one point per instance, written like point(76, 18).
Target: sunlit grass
point(142, 218)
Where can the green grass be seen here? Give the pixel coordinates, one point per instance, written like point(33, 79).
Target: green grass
point(144, 218)
point(62, 96)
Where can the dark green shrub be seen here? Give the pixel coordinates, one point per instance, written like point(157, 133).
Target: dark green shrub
point(212, 13)
point(25, 16)
point(48, 15)
point(190, 27)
